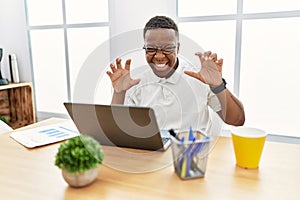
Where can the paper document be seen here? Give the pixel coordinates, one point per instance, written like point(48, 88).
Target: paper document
point(45, 134)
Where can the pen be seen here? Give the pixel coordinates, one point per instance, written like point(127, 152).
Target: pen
point(183, 168)
point(172, 133)
point(191, 136)
point(186, 163)
point(202, 145)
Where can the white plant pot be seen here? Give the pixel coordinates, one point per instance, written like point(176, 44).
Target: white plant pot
point(80, 179)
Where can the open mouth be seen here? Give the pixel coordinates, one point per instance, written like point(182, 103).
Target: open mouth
point(161, 66)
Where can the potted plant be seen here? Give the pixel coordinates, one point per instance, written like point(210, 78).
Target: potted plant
point(2, 118)
point(79, 158)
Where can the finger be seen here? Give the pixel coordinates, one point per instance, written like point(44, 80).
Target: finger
point(134, 82)
point(195, 75)
point(111, 76)
point(219, 64)
point(213, 57)
point(127, 64)
point(113, 67)
point(198, 54)
point(207, 53)
point(192, 74)
point(118, 61)
point(201, 56)
point(220, 61)
point(109, 73)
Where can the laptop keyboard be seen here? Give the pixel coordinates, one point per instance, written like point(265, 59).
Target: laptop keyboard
point(165, 140)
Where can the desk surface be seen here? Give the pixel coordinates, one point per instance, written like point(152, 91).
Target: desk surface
point(31, 174)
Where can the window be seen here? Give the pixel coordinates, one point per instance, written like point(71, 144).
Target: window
point(208, 37)
point(49, 69)
point(62, 34)
point(269, 74)
point(82, 41)
point(258, 6)
point(188, 8)
point(44, 12)
point(260, 39)
point(87, 11)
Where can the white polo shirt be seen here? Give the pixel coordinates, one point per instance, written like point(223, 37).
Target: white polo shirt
point(179, 101)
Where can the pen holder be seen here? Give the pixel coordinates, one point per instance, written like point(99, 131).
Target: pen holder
point(190, 156)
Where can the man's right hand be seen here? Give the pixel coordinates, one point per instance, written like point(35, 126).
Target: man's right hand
point(120, 77)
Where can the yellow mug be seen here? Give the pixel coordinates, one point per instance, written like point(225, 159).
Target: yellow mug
point(248, 145)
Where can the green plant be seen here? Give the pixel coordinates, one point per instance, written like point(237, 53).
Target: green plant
point(4, 119)
point(79, 154)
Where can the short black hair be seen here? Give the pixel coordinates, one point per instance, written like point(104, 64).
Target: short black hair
point(161, 22)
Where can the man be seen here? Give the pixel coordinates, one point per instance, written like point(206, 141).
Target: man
point(179, 96)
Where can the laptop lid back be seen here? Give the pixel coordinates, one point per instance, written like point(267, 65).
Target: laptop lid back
point(117, 125)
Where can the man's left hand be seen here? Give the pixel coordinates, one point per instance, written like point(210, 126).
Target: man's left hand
point(211, 69)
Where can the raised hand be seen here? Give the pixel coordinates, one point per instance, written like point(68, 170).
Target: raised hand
point(120, 77)
point(211, 70)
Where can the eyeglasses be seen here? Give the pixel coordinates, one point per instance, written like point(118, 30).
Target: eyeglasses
point(153, 50)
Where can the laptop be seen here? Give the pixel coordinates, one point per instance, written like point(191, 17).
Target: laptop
point(120, 125)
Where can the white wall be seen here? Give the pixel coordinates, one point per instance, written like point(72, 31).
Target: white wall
point(125, 15)
point(13, 37)
point(132, 15)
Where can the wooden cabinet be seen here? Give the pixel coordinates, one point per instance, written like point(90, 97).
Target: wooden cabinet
point(17, 105)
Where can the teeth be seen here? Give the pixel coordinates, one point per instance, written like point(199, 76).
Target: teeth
point(160, 65)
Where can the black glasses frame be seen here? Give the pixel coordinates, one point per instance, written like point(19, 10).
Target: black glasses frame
point(153, 50)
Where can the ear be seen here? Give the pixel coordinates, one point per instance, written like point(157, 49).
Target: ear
point(178, 45)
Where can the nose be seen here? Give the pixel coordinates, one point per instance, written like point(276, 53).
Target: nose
point(159, 53)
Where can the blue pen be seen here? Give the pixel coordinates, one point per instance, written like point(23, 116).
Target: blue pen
point(189, 152)
point(184, 162)
point(191, 136)
point(182, 140)
point(189, 157)
point(202, 144)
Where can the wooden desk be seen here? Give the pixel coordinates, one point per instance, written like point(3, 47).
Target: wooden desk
point(31, 174)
